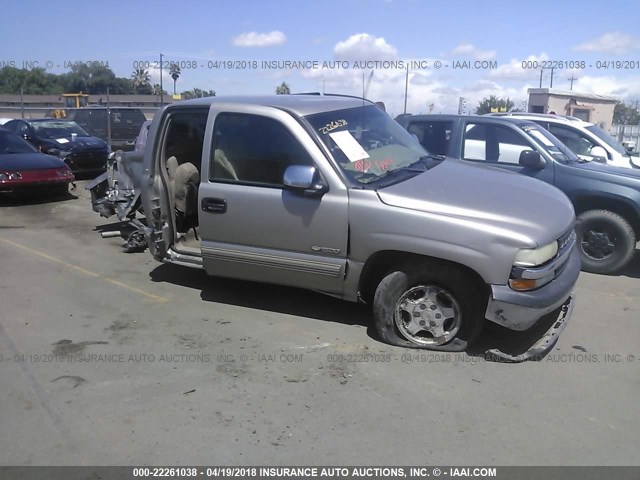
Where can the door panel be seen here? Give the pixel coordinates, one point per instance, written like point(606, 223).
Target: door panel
point(251, 227)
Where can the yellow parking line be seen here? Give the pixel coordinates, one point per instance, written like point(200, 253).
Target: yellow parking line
point(84, 271)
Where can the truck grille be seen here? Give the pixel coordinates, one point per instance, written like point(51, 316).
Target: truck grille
point(566, 239)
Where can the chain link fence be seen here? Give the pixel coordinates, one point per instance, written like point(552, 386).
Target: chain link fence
point(117, 125)
point(628, 136)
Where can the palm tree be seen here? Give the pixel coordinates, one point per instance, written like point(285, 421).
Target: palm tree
point(140, 79)
point(156, 90)
point(283, 89)
point(174, 71)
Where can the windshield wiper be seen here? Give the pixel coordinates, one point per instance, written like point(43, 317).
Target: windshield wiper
point(422, 164)
point(419, 166)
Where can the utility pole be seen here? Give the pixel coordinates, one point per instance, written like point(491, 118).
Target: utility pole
point(406, 87)
point(571, 80)
point(551, 82)
point(108, 121)
point(161, 89)
point(22, 99)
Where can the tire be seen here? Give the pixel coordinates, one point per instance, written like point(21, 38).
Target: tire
point(451, 307)
point(606, 241)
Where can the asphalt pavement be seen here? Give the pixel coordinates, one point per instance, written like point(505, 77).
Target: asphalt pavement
point(108, 358)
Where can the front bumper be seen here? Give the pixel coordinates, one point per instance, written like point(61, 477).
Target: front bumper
point(546, 341)
point(522, 310)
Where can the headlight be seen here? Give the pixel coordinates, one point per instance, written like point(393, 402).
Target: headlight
point(532, 257)
point(3, 176)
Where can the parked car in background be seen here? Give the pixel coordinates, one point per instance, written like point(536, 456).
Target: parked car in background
point(582, 138)
point(328, 193)
point(5, 120)
point(125, 124)
point(24, 169)
point(64, 139)
point(606, 198)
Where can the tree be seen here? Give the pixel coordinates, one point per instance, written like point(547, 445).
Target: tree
point(197, 93)
point(87, 78)
point(121, 86)
point(174, 71)
point(624, 114)
point(33, 82)
point(494, 102)
point(141, 81)
point(93, 79)
point(283, 89)
point(156, 90)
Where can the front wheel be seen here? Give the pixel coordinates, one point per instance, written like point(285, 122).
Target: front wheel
point(606, 241)
point(429, 306)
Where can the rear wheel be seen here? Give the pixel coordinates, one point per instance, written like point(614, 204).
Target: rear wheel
point(430, 306)
point(606, 241)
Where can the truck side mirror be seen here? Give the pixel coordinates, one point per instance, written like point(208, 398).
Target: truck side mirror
point(304, 179)
point(599, 151)
point(531, 159)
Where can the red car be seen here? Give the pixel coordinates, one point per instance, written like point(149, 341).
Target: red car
point(23, 168)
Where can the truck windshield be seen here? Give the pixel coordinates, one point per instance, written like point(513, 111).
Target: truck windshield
point(551, 144)
point(367, 143)
point(608, 139)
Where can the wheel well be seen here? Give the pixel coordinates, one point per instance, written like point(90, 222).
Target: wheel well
point(381, 263)
point(626, 211)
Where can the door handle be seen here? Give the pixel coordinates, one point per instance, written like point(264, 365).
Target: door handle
point(214, 205)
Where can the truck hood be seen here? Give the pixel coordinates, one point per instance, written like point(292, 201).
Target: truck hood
point(510, 203)
point(614, 171)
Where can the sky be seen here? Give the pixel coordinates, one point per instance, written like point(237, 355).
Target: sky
point(465, 49)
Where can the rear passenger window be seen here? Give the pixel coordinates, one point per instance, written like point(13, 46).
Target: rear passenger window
point(253, 149)
point(185, 137)
point(493, 143)
point(575, 141)
point(435, 137)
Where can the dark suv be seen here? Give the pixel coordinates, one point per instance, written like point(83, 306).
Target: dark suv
point(606, 198)
point(125, 124)
point(64, 139)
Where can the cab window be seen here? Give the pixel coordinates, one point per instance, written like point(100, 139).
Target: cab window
point(253, 149)
point(435, 137)
point(493, 144)
point(574, 140)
